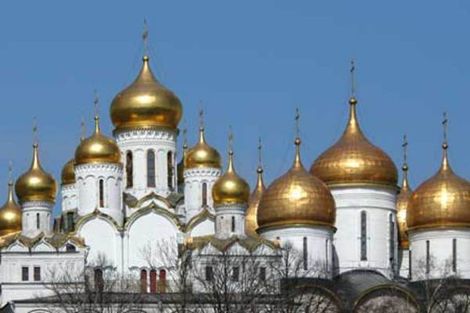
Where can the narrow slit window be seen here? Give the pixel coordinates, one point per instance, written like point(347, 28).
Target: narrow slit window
point(153, 281)
point(170, 169)
point(204, 194)
point(38, 221)
point(454, 255)
point(410, 263)
point(162, 281)
point(143, 281)
point(305, 253)
point(101, 193)
point(236, 273)
point(24, 273)
point(37, 273)
point(129, 170)
point(209, 273)
point(428, 257)
point(392, 239)
point(233, 224)
point(150, 168)
point(363, 236)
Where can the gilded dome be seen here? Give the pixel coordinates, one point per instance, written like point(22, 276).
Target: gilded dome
point(36, 184)
point(10, 214)
point(353, 160)
point(251, 219)
point(230, 188)
point(68, 173)
point(403, 204)
point(441, 201)
point(146, 103)
point(202, 155)
point(296, 198)
point(97, 149)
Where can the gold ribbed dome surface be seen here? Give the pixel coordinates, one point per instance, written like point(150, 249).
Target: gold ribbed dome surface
point(441, 201)
point(146, 104)
point(251, 219)
point(296, 198)
point(97, 149)
point(36, 184)
point(403, 204)
point(230, 188)
point(202, 155)
point(68, 173)
point(10, 214)
point(353, 160)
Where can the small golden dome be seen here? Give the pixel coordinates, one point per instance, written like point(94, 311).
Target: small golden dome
point(251, 220)
point(353, 160)
point(202, 155)
point(403, 204)
point(97, 149)
point(36, 184)
point(68, 173)
point(230, 188)
point(441, 201)
point(296, 198)
point(10, 214)
point(146, 104)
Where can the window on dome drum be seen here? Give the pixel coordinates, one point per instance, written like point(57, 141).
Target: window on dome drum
point(204, 194)
point(150, 168)
point(209, 273)
point(101, 193)
point(143, 281)
point(409, 263)
point(153, 281)
point(392, 239)
point(129, 170)
point(170, 169)
point(70, 222)
point(428, 257)
point(363, 236)
point(262, 273)
point(454, 255)
point(25, 273)
point(233, 224)
point(38, 221)
point(37, 273)
point(162, 280)
point(99, 281)
point(235, 273)
point(305, 253)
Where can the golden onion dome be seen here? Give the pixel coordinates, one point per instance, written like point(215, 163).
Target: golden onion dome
point(251, 219)
point(230, 188)
point(202, 155)
point(353, 160)
point(146, 104)
point(296, 198)
point(68, 173)
point(36, 184)
point(180, 166)
point(97, 149)
point(403, 204)
point(441, 201)
point(10, 214)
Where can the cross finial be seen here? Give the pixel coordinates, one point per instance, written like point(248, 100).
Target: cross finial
point(96, 102)
point(145, 36)
point(445, 122)
point(405, 152)
point(10, 172)
point(353, 81)
point(230, 140)
point(201, 118)
point(297, 122)
point(35, 131)
point(260, 147)
point(185, 137)
point(82, 129)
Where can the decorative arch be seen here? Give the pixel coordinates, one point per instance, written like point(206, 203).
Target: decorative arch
point(360, 304)
point(155, 209)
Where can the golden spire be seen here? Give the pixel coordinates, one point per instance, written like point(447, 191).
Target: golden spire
point(297, 160)
point(230, 168)
point(10, 198)
point(251, 219)
point(202, 138)
point(96, 102)
point(405, 185)
point(259, 170)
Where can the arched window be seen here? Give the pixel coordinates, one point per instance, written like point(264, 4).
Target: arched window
point(233, 224)
point(391, 223)
point(363, 236)
point(305, 253)
point(454, 255)
point(129, 170)
point(143, 281)
point(428, 257)
point(204, 194)
point(38, 221)
point(99, 282)
point(162, 279)
point(101, 193)
point(170, 169)
point(150, 168)
point(153, 281)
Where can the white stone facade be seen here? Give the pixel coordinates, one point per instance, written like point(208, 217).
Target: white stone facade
point(196, 195)
point(37, 218)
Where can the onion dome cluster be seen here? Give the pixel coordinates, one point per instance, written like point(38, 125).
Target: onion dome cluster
point(36, 184)
point(68, 173)
point(296, 198)
point(353, 160)
point(202, 155)
point(146, 104)
point(97, 148)
point(10, 214)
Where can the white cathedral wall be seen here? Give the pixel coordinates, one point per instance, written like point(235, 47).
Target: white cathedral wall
point(404, 266)
point(204, 228)
point(69, 197)
point(139, 141)
point(319, 252)
point(440, 253)
point(379, 205)
point(30, 211)
point(228, 216)
point(193, 182)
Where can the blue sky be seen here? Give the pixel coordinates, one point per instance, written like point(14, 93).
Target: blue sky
point(251, 63)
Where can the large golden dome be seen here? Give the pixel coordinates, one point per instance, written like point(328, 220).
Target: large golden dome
point(10, 214)
point(36, 184)
point(146, 104)
point(251, 220)
point(296, 198)
point(353, 160)
point(68, 173)
point(97, 149)
point(230, 188)
point(441, 201)
point(403, 205)
point(202, 155)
